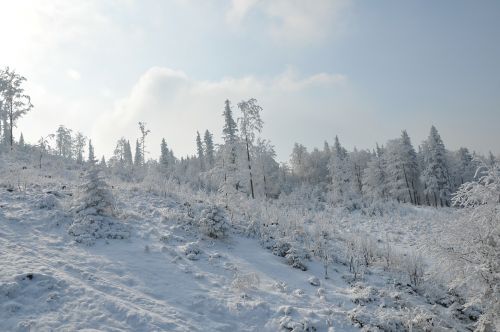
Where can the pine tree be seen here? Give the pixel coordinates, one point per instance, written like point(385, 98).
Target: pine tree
point(164, 156)
point(79, 144)
point(127, 154)
point(375, 182)
point(340, 173)
point(91, 158)
point(21, 141)
point(436, 174)
point(138, 159)
point(199, 150)
point(144, 133)
point(229, 132)
point(103, 162)
point(209, 148)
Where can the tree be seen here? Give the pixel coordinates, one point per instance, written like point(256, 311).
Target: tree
point(340, 173)
point(80, 141)
point(91, 158)
point(229, 131)
point(15, 102)
point(138, 158)
point(435, 174)
point(64, 142)
point(103, 162)
point(298, 160)
point(127, 154)
point(43, 145)
point(21, 141)
point(375, 182)
point(144, 133)
point(250, 123)
point(209, 148)
point(402, 169)
point(199, 150)
point(164, 156)
point(473, 256)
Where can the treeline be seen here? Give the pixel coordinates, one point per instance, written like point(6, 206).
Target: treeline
point(245, 163)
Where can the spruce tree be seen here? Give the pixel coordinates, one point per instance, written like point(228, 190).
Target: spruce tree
point(209, 148)
point(164, 155)
point(138, 158)
point(229, 131)
point(21, 141)
point(199, 150)
point(435, 174)
point(91, 158)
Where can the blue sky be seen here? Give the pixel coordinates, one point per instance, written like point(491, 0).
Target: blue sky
point(362, 70)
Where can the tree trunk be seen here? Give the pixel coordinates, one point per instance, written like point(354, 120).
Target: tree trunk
point(11, 115)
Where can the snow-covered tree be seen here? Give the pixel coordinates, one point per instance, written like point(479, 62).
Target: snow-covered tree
point(64, 142)
point(15, 103)
point(298, 160)
point(138, 158)
point(199, 150)
point(79, 144)
point(402, 169)
point(21, 141)
point(435, 174)
point(250, 123)
point(209, 148)
point(375, 181)
point(230, 132)
point(95, 211)
point(472, 246)
point(144, 133)
point(164, 156)
point(341, 174)
point(91, 158)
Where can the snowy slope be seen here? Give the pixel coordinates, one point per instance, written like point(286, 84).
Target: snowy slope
point(168, 277)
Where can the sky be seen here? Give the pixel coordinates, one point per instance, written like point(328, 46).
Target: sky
point(362, 70)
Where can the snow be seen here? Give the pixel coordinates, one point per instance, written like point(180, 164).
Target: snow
point(167, 274)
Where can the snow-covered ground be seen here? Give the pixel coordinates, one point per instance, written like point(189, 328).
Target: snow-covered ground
point(168, 277)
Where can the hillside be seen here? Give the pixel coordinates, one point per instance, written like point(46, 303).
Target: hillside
point(168, 276)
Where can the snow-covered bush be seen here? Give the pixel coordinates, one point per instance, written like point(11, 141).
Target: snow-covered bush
point(94, 212)
point(472, 249)
point(213, 222)
point(244, 281)
point(191, 250)
point(414, 267)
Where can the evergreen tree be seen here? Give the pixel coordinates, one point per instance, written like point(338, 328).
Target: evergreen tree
point(229, 132)
point(127, 154)
point(144, 133)
point(199, 149)
point(375, 182)
point(103, 162)
point(164, 155)
point(435, 174)
point(340, 173)
point(138, 159)
point(209, 148)
point(79, 146)
point(21, 141)
point(91, 158)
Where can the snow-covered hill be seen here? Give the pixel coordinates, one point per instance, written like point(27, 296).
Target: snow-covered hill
point(167, 276)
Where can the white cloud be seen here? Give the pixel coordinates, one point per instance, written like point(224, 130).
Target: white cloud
point(175, 106)
point(73, 74)
point(292, 21)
